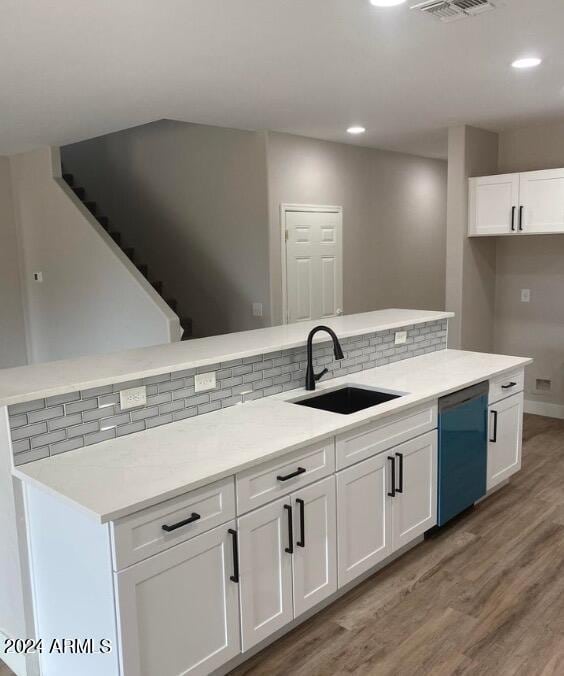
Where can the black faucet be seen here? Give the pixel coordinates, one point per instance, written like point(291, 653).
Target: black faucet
point(311, 377)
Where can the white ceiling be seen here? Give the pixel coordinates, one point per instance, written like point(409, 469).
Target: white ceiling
point(72, 69)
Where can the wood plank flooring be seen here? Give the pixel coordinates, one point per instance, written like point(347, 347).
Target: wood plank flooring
point(484, 596)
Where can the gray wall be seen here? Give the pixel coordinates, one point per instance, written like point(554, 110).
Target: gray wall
point(12, 329)
point(533, 329)
point(192, 200)
point(394, 218)
point(470, 281)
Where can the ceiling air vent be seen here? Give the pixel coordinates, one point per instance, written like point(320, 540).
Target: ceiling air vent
point(452, 10)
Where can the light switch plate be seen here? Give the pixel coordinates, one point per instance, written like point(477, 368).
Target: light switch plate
point(401, 338)
point(204, 381)
point(133, 397)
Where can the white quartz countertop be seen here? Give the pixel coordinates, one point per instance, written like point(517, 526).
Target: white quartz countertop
point(118, 477)
point(26, 383)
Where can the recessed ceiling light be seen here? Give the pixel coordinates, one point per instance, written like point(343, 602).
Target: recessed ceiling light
point(356, 130)
point(386, 3)
point(527, 62)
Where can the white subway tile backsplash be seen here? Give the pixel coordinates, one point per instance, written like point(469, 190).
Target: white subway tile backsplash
point(69, 421)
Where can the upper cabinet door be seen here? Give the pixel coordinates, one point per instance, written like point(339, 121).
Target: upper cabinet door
point(414, 508)
point(178, 610)
point(493, 205)
point(265, 560)
point(315, 551)
point(364, 522)
point(542, 201)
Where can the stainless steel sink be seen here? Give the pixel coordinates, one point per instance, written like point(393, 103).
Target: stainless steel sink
point(347, 400)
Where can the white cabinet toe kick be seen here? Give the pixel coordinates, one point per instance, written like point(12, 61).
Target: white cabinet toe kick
point(195, 584)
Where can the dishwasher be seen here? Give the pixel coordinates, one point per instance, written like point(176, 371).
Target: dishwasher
point(463, 450)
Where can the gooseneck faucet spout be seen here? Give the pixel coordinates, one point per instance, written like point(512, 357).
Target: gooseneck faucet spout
point(311, 377)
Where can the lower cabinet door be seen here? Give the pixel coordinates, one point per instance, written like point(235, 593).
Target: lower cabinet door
point(178, 610)
point(315, 544)
point(505, 439)
point(364, 535)
point(414, 507)
point(265, 570)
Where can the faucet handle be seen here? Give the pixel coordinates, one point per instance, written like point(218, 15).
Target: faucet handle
point(320, 375)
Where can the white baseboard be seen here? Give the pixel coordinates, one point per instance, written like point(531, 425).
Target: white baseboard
point(544, 408)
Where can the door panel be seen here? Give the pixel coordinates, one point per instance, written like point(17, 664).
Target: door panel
point(315, 556)
point(414, 510)
point(265, 572)
point(542, 198)
point(178, 610)
point(363, 518)
point(505, 439)
point(314, 263)
point(493, 203)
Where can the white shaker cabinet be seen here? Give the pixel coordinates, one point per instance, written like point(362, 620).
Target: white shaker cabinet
point(505, 439)
point(493, 204)
point(364, 524)
point(525, 203)
point(178, 610)
point(288, 559)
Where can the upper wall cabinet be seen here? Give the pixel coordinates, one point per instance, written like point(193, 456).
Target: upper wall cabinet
point(530, 203)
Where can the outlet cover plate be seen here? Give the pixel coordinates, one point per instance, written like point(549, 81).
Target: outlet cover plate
point(204, 381)
point(133, 397)
point(401, 338)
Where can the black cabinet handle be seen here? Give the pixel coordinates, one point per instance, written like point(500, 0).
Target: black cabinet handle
point(513, 210)
point(508, 386)
point(494, 439)
point(301, 541)
point(190, 519)
point(300, 470)
point(290, 547)
point(399, 456)
point(392, 493)
point(521, 217)
point(235, 576)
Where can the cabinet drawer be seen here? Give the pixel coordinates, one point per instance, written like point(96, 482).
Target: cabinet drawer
point(271, 480)
point(506, 385)
point(141, 535)
point(378, 436)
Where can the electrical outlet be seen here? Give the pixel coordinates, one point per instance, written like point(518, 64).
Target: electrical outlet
point(133, 397)
point(38, 277)
point(257, 309)
point(525, 295)
point(204, 381)
point(401, 338)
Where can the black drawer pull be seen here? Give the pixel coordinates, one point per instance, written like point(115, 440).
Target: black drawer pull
point(235, 576)
point(392, 493)
point(301, 541)
point(494, 438)
point(508, 386)
point(290, 547)
point(400, 458)
point(190, 519)
point(513, 210)
point(521, 218)
point(300, 470)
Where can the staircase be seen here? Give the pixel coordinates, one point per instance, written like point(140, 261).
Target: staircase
point(185, 322)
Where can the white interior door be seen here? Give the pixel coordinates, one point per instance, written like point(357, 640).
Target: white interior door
point(542, 201)
point(315, 551)
point(314, 262)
